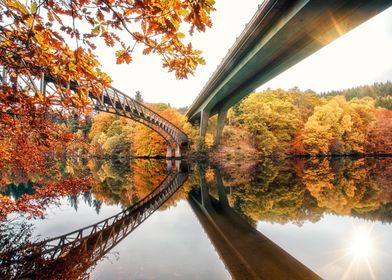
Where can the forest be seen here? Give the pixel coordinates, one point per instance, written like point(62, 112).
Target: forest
point(49, 160)
point(292, 123)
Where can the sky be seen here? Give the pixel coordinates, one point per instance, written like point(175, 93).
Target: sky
point(362, 56)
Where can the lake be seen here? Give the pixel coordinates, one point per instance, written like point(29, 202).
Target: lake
point(153, 219)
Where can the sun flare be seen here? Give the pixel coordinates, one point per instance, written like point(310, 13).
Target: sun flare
point(361, 245)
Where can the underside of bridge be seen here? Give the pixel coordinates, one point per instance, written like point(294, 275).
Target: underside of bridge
point(116, 102)
point(280, 34)
point(246, 252)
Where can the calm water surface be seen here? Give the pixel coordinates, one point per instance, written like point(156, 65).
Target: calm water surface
point(332, 217)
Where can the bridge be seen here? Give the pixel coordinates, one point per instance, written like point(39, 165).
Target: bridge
point(70, 255)
point(280, 34)
point(246, 253)
point(115, 102)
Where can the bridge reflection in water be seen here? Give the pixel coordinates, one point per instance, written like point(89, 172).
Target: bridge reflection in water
point(69, 256)
point(246, 252)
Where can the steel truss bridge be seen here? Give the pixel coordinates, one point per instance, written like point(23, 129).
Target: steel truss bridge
point(69, 256)
point(116, 102)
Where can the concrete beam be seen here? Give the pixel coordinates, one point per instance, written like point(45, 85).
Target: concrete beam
point(222, 115)
point(224, 202)
point(169, 165)
point(205, 116)
point(281, 34)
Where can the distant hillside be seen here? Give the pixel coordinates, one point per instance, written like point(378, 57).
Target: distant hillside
point(381, 92)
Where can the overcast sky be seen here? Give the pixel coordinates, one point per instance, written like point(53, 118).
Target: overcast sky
point(360, 57)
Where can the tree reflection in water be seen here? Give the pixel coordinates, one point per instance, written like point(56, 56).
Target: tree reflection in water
point(295, 190)
point(299, 190)
point(72, 255)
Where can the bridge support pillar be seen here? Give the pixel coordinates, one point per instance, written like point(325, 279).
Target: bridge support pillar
point(221, 188)
point(169, 165)
point(205, 195)
point(205, 115)
point(219, 128)
point(177, 152)
point(42, 86)
point(169, 153)
point(177, 163)
point(3, 76)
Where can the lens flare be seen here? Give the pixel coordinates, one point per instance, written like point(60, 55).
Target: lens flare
point(361, 246)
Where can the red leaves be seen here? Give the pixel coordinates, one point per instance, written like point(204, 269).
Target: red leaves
point(34, 205)
point(380, 137)
point(123, 56)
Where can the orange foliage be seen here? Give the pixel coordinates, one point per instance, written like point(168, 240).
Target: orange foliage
point(380, 137)
point(297, 145)
point(34, 41)
point(36, 203)
point(147, 142)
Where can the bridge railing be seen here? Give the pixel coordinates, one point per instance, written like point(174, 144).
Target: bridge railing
point(57, 246)
point(82, 248)
point(139, 110)
point(111, 100)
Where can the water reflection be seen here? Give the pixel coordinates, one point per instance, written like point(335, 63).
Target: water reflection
point(69, 256)
point(247, 253)
point(300, 190)
point(330, 216)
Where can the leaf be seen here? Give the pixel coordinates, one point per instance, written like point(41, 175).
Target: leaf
point(71, 66)
point(34, 7)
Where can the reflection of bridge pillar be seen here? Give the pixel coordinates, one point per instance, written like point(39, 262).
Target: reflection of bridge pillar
point(205, 196)
point(205, 115)
point(169, 153)
point(178, 165)
point(246, 252)
point(221, 189)
point(169, 165)
point(219, 128)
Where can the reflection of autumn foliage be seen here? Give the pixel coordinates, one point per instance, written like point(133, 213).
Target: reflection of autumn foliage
point(24, 259)
point(275, 195)
point(127, 183)
point(36, 203)
point(112, 181)
point(303, 189)
point(147, 175)
point(345, 186)
point(341, 190)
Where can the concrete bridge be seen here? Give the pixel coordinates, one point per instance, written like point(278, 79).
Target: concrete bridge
point(280, 34)
point(69, 256)
point(246, 253)
point(115, 102)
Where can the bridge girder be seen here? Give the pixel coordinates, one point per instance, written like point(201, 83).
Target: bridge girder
point(280, 34)
point(114, 101)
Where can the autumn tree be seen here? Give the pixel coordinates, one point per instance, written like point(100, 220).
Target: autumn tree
point(57, 39)
point(148, 142)
point(273, 118)
point(380, 136)
point(112, 135)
